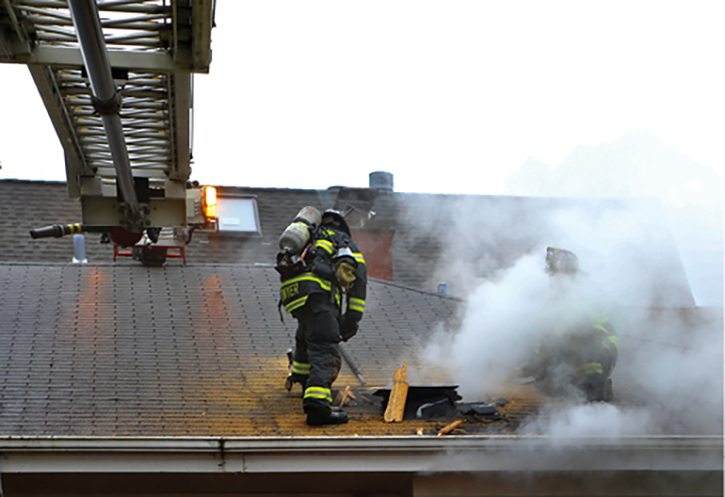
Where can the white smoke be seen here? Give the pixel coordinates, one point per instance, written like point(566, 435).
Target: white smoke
point(590, 420)
point(639, 165)
point(669, 376)
point(480, 354)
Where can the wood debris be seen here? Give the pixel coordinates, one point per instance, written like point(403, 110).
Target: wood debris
point(398, 395)
point(345, 395)
point(450, 427)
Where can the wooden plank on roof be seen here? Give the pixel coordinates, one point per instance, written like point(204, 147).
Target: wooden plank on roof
point(398, 395)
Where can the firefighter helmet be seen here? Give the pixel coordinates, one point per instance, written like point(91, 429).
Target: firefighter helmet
point(561, 261)
point(333, 218)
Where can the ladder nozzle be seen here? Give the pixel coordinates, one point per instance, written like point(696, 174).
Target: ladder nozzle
point(57, 230)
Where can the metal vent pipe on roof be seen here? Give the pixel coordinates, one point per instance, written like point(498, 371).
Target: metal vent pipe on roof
point(381, 180)
point(79, 249)
point(106, 99)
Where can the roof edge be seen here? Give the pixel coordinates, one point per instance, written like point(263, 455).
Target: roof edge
point(358, 454)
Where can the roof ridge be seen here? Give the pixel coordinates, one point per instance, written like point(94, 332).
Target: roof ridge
point(418, 290)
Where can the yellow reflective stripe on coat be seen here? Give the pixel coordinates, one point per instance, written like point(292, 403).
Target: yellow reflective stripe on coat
point(359, 257)
point(308, 277)
point(294, 292)
point(318, 393)
point(296, 304)
point(613, 339)
point(325, 244)
point(301, 367)
point(601, 328)
point(357, 305)
point(589, 368)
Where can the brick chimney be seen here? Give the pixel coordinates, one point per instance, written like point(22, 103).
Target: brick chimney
point(377, 247)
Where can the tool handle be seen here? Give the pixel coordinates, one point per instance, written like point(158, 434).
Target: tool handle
point(352, 365)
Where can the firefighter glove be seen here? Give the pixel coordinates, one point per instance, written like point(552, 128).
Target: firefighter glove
point(345, 275)
point(348, 328)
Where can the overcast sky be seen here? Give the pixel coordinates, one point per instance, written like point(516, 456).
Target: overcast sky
point(450, 97)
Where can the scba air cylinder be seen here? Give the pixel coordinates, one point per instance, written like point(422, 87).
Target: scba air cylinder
point(294, 238)
point(310, 216)
point(296, 235)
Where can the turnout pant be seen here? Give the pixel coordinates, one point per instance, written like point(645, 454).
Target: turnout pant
point(316, 345)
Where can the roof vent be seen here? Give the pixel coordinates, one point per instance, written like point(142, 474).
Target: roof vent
point(444, 288)
point(79, 249)
point(381, 180)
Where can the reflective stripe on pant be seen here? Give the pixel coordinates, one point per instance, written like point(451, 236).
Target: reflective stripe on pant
point(301, 368)
point(313, 394)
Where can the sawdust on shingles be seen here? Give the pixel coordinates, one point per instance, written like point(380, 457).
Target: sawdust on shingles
point(262, 407)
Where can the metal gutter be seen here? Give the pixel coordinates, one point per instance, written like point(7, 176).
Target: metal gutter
point(501, 453)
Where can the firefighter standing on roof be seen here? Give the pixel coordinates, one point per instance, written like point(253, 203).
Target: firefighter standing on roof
point(324, 289)
point(581, 349)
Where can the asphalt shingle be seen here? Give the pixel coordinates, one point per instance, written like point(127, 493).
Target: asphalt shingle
point(176, 350)
point(122, 349)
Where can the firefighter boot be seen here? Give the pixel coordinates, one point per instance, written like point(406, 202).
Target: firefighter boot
point(319, 414)
point(333, 417)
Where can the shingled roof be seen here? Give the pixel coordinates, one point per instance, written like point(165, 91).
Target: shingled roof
point(196, 350)
point(111, 350)
point(123, 368)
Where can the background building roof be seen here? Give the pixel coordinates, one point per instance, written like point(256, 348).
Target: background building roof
point(458, 239)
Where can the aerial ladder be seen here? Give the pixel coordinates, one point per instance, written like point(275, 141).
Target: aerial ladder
point(115, 77)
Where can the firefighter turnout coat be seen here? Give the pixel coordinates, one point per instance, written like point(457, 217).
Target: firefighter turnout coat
point(320, 276)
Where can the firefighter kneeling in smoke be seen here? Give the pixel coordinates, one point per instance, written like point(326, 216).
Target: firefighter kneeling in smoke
point(320, 268)
point(581, 349)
